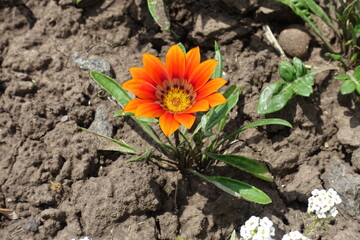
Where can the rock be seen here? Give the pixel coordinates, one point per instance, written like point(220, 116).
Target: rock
point(93, 64)
point(295, 41)
point(338, 175)
point(31, 225)
point(348, 125)
point(101, 124)
point(355, 159)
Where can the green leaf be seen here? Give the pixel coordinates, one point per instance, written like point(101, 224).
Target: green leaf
point(182, 47)
point(145, 155)
point(147, 120)
point(302, 87)
point(336, 57)
point(124, 147)
point(358, 89)
point(236, 188)
point(111, 87)
point(264, 122)
point(258, 123)
point(357, 73)
point(274, 97)
point(246, 164)
point(219, 112)
point(159, 13)
point(233, 235)
point(342, 77)
point(218, 70)
point(347, 87)
point(299, 66)
point(287, 71)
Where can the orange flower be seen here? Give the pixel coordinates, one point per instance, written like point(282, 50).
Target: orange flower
point(174, 91)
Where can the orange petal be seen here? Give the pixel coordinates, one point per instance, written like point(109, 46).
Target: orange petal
point(199, 106)
point(192, 61)
point(149, 110)
point(175, 62)
point(209, 87)
point(133, 104)
point(140, 88)
point(140, 73)
point(168, 124)
point(154, 67)
point(202, 73)
point(215, 99)
point(186, 119)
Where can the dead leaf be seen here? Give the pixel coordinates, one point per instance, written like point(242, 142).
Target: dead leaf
point(9, 213)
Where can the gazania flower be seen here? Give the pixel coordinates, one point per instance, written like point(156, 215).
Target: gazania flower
point(174, 91)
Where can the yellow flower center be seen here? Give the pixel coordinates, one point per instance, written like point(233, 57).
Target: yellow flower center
point(176, 100)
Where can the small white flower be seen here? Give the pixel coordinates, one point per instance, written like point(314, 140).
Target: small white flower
point(257, 229)
point(323, 202)
point(295, 235)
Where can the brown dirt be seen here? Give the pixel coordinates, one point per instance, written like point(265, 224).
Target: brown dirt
point(45, 98)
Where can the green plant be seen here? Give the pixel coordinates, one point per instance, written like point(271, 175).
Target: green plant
point(297, 80)
point(351, 81)
point(348, 17)
point(195, 150)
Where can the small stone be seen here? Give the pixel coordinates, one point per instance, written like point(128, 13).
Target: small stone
point(101, 125)
point(31, 225)
point(64, 118)
point(339, 176)
point(295, 42)
point(93, 64)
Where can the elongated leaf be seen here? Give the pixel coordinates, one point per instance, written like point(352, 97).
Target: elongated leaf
point(246, 164)
point(316, 9)
point(219, 68)
point(124, 147)
point(111, 87)
point(258, 123)
point(159, 13)
point(237, 188)
point(145, 155)
point(219, 112)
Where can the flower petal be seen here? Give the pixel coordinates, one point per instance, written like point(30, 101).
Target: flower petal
point(215, 99)
point(192, 61)
point(140, 88)
point(209, 87)
point(199, 106)
point(175, 62)
point(133, 104)
point(140, 73)
point(168, 124)
point(154, 67)
point(186, 119)
point(202, 73)
point(149, 110)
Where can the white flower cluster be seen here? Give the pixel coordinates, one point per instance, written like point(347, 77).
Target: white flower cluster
point(84, 238)
point(295, 235)
point(257, 229)
point(323, 202)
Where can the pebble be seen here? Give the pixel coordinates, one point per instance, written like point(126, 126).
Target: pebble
point(101, 125)
point(31, 225)
point(93, 64)
point(339, 176)
point(295, 42)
